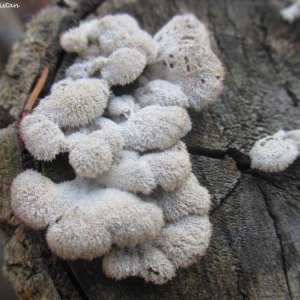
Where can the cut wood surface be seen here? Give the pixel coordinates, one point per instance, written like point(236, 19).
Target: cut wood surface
point(255, 247)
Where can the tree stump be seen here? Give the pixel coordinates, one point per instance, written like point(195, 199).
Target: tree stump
point(255, 247)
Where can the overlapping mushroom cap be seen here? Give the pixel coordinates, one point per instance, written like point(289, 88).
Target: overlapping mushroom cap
point(134, 200)
point(275, 153)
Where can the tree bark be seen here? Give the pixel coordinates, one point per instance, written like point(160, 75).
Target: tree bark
point(255, 247)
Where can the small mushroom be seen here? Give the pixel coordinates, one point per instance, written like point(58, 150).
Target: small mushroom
point(273, 153)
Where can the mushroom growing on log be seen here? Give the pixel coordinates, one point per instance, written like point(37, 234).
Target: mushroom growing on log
point(255, 250)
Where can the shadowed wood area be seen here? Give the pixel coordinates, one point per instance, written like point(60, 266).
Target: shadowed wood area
point(255, 247)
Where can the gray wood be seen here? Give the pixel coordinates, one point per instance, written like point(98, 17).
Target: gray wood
point(255, 248)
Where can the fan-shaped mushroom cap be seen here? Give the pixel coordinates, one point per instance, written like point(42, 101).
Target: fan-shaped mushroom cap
point(121, 106)
point(106, 217)
point(156, 127)
point(129, 173)
point(95, 154)
point(170, 167)
point(189, 199)
point(273, 154)
point(178, 245)
point(161, 92)
point(38, 202)
point(124, 66)
point(184, 241)
point(76, 103)
point(146, 261)
point(42, 138)
point(182, 30)
point(195, 69)
point(86, 68)
point(120, 31)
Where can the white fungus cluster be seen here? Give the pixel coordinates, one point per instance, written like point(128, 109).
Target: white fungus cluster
point(292, 12)
point(135, 200)
point(276, 152)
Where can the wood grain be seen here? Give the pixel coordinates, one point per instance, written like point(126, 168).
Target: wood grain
point(255, 248)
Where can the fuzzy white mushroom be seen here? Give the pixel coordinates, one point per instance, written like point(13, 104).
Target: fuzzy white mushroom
point(129, 173)
point(95, 153)
point(122, 106)
point(182, 30)
point(119, 31)
point(61, 83)
point(161, 92)
point(106, 217)
point(76, 103)
point(42, 138)
point(123, 66)
point(144, 261)
point(185, 240)
point(189, 199)
point(195, 69)
point(294, 136)
point(134, 150)
point(86, 68)
point(171, 167)
point(178, 245)
point(273, 153)
point(38, 202)
point(142, 174)
point(292, 12)
point(155, 127)
point(76, 39)
point(84, 220)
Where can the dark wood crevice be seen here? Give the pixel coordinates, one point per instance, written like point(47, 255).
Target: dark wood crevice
point(276, 228)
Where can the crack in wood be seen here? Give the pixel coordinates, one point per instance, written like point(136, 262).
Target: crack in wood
point(276, 229)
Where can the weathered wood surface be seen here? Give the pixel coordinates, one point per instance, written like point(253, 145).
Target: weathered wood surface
point(255, 248)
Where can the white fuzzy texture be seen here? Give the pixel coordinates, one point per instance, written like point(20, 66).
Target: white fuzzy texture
point(61, 83)
point(161, 92)
point(178, 245)
point(171, 167)
point(142, 174)
point(76, 103)
point(273, 153)
point(129, 173)
point(124, 66)
point(95, 153)
point(292, 12)
point(185, 240)
point(84, 220)
point(37, 201)
point(122, 106)
point(86, 68)
point(76, 39)
point(195, 69)
point(186, 59)
point(294, 136)
point(155, 127)
point(42, 138)
point(146, 261)
point(134, 149)
point(182, 30)
point(73, 138)
point(189, 199)
point(120, 31)
point(106, 217)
